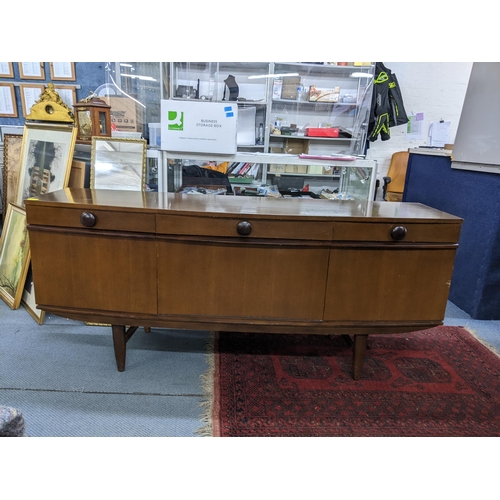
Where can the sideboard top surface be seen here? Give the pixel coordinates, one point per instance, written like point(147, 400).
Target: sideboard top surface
point(219, 205)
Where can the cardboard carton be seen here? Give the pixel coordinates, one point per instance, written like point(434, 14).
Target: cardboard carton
point(126, 114)
point(317, 94)
point(296, 146)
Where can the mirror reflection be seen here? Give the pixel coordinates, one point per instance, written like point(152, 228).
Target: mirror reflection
point(118, 164)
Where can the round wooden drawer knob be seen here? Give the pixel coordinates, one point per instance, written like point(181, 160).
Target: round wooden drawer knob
point(88, 219)
point(398, 233)
point(244, 228)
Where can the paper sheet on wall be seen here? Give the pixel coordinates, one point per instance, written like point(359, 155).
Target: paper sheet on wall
point(415, 127)
point(439, 134)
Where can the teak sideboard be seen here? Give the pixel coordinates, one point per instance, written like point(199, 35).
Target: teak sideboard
point(236, 263)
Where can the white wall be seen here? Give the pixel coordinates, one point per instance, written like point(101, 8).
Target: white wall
point(435, 88)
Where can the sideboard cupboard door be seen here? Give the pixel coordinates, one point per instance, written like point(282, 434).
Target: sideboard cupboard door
point(388, 284)
point(96, 272)
point(241, 280)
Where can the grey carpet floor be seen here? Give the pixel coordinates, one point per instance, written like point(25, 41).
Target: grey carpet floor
point(62, 376)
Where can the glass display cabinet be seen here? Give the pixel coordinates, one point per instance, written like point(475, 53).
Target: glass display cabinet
point(317, 108)
point(324, 107)
point(271, 175)
point(285, 109)
point(243, 83)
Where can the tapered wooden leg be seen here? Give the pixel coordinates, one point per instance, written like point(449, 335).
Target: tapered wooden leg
point(359, 355)
point(120, 338)
point(120, 345)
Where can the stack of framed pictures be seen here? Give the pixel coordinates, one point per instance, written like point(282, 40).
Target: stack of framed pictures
point(35, 163)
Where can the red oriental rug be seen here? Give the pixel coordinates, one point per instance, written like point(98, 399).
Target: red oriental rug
point(439, 382)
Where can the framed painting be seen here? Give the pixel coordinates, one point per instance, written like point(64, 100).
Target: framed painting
point(28, 299)
point(31, 70)
point(67, 93)
point(6, 70)
point(14, 256)
point(62, 71)
point(118, 163)
point(46, 156)
point(11, 164)
point(30, 93)
point(8, 107)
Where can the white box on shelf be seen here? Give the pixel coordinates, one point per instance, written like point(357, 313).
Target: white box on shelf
point(199, 127)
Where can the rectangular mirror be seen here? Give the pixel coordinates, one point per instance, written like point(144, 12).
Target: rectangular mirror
point(118, 163)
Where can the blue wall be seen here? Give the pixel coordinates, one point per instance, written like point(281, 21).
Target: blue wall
point(89, 76)
point(473, 196)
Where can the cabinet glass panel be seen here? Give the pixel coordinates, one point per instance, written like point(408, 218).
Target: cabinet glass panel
point(243, 83)
point(325, 106)
point(140, 84)
point(272, 175)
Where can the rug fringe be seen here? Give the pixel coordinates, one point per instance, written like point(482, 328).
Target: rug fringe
point(207, 385)
point(486, 344)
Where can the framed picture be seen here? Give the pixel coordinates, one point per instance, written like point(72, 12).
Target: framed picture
point(46, 156)
point(67, 93)
point(28, 299)
point(6, 70)
point(8, 107)
point(12, 144)
point(30, 93)
point(14, 256)
point(62, 71)
point(118, 163)
point(31, 70)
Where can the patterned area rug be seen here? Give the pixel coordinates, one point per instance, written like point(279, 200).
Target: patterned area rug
point(438, 382)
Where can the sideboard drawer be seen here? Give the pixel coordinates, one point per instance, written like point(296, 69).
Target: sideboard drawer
point(408, 232)
point(93, 218)
point(247, 227)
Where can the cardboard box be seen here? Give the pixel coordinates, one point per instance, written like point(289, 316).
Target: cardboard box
point(277, 88)
point(290, 87)
point(126, 114)
point(195, 127)
point(317, 94)
point(276, 169)
point(296, 169)
point(315, 169)
point(296, 146)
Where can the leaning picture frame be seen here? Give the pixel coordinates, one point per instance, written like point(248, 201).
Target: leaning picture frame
point(28, 299)
point(46, 156)
point(118, 163)
point(12, 144)
point(14, 256)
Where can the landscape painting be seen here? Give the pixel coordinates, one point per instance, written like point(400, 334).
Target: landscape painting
point(14, 256)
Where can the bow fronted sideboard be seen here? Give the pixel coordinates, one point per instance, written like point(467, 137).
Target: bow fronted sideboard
point(236, 263)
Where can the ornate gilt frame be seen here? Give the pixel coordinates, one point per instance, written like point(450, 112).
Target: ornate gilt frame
point(12, 148)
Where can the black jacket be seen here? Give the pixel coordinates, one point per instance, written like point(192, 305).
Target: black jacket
point(387, 109)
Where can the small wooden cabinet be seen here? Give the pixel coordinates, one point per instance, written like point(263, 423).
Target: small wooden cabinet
point(241, 263)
